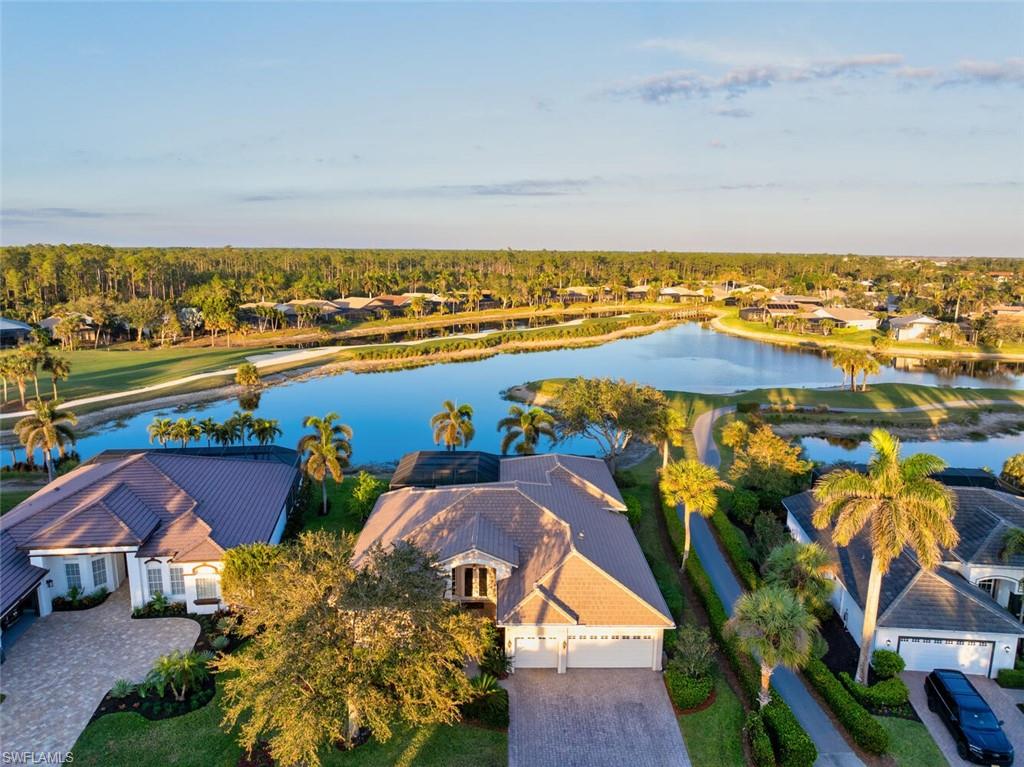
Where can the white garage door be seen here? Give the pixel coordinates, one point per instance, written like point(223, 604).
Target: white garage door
point(611, 651)
point(536, 652)
point(927, 653)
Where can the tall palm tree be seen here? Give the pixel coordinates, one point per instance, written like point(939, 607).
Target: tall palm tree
point(244, 421)
point(805, 568)
point(668, 431)
point(453, 425)
point(900, 505)
point(265, 430)
point(20, 369)
point(59, 369)
point(46, 429)
point(208, 428)
point(185, 430)
point(6, 373)
point(692, 484)
point(527, 426)
point(231, 431)
point(34, 355)
point(326, 451)
point(160, 431)
point(869, 366)
point(774, 626)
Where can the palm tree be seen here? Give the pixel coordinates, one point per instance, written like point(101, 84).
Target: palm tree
point(774, 626)
point(265, 430)
point(34, 355)
point(668, 431)
point(326, 451)
point(160, 431)
point(6, 373)
point(47, 428)
point(1013, 543)
point(869, 366)
point(692, 484)
point(453, 425)
point(20, 370)
point(180, 671)
point(900, 504)
point(527, 426)
point(231, 431)
point(185, 430)
point(59, 368)
point(208, 428)
point(849, 361)
point(805, 568)
point(244, 420)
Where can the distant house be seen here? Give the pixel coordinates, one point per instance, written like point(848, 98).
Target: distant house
point(843, 317)
point(13, 332)
point(1007, 311)
point(639, 292)
point(965, 614)
point(159, 520)
point(768, 311)
point(682, 294)
point(391, 304)
point(1001, 277)
point(912, 326)
point(804, 302)
point(84, 329)
point(540, 544)
point(293, 310)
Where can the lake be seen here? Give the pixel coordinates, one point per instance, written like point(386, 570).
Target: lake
point(991, 453)
point(389, 412)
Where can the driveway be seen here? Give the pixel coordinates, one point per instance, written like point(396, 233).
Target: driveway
point(60, 669)
point(1002, 702)
point(592, 718)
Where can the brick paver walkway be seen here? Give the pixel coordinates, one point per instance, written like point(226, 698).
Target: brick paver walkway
point(590, 717)
point(60, 669)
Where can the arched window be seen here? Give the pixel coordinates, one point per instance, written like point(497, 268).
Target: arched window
point(988, 585)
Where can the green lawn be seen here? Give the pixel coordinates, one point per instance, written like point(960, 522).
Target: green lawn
point(102, 371)
point(910, 744)
point(714, 736)
point(9, 499)
point(196, 740)
point(339, 519)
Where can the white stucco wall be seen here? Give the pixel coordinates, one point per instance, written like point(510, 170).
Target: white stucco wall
point(141, 592)
point(57, 575)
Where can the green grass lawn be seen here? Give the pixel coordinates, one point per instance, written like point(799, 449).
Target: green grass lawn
point(714, 736)
point(910, 744)
point(11, 498)
point(103, 371)
point(339, 518)
point(197, 740)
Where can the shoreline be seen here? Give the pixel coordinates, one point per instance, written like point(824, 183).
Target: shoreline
point(813, 344)
point(990, 424)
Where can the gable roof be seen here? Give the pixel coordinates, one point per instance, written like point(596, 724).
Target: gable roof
point(546, 509)
point(19, 575)
point(941, 599)
point(912, 319)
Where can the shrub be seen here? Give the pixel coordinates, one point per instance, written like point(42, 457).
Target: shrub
point(760, 744)
point(634, 510)
point(687, 691)
point(887, 694)
point(744, 505)
point(747, 407)
point(737, 547)
point(365, 494)
point(768, 533)
point(1010, 677)
point(122, 689)
point(694, 654)
point(489, 705)
point(865, 730)
point(494, 660)
point(887, 663)
point(247, 375)
point(793, 746)
point(220, 643)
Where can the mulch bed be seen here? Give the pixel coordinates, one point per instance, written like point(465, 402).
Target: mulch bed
point(154, 708)
point(843, 651)
point(84, 602)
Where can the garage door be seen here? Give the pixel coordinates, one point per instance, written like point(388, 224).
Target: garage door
point(611, 651)
point(536, 652)
point(927, 653)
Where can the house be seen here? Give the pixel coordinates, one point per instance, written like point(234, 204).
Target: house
point(157, 519)
point(639, 292)
point(842, 317)
point(682, 294)
point(912, 326)
point(295, 309)
point(84, 328)
point(13, 332)
point(1007, 312)
point(389, 304)
point(965, 614)
point(768, 311)
point(804, 302)
point(546, 551)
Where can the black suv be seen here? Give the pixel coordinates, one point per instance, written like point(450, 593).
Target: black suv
point(978, 734)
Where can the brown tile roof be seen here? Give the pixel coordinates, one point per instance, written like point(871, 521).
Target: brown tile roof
point(19, 575)
point(558, 512)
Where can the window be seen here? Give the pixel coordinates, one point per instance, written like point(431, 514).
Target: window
point(207, 588)
point(155, 580)
point(482, 580)
point(988, 585)
point(467, 584)
point(177, 581)
point(73, 575)
point(99, 572)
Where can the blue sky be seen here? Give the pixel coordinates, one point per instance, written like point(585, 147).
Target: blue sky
point(848, 128)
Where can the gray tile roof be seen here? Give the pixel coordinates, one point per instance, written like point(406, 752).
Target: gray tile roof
point(941, 600)
point(19, 575)
point(542, 507)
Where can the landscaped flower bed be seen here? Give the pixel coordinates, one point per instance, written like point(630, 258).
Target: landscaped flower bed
point(144, 700)
point(75, 600)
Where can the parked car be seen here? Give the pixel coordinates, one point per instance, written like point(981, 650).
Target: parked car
point(978, 734)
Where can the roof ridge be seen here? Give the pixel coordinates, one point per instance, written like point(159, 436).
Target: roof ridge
point(899, 597)
point(991, 605)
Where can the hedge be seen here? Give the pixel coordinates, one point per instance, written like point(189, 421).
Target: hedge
point(737, 547)
point(887, 663)
point(793, 746)
point(688, 692)
point(760, 744)
point(1010, 677)
point(866, 731)
point(889, 693)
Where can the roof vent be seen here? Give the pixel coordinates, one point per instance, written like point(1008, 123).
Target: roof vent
point(582, 534)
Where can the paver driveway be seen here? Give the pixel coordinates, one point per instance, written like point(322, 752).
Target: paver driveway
point(592, 718)
point(1001, 701)
point(60, 669)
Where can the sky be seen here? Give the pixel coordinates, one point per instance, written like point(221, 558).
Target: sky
point(877, 128)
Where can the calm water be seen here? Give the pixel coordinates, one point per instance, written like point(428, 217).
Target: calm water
point(991, 453)
point(389, 412)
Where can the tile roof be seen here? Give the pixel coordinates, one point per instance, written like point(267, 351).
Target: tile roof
point(20, 576)
point(911, 319)
point(942, 599)
point(550, 509)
